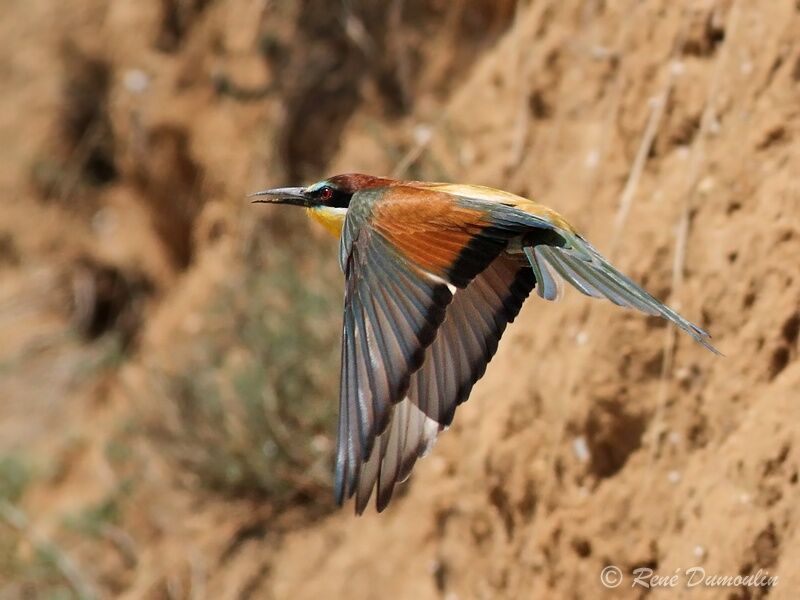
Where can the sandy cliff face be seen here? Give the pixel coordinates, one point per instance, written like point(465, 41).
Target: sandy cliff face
point(667, 133)
point(599, 437)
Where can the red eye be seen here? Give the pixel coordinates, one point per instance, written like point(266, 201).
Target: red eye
point(326, 194)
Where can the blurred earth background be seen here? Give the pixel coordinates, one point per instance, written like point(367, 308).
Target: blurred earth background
point(169, 353)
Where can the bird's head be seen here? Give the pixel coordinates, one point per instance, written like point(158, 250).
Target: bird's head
point(326, 201)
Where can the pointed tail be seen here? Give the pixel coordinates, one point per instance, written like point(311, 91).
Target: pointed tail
point(582, 266)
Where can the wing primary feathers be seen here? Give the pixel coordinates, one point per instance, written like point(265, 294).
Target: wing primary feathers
point(492, 320)
point(353, 448)
point(368, 393)
point(485, 347)
point(387, 476)
point(408, 288)
point(392, 312)
point(394, 276)
point(340, 472)
point(346, 475)
point(415, 440)
point(488, 286)
point(382, 376)
point(401, 324)
point(366, 480)
point(444, 380)
point(466, 341)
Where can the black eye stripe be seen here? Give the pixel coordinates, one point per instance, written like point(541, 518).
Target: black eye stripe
point(333, 197)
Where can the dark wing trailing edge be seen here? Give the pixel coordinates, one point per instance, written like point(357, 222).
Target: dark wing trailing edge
point(466, 342)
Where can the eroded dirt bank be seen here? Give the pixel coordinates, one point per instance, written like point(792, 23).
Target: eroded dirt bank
point(667, 132)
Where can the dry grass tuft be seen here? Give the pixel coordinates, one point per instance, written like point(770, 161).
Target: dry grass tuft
point(252, 406)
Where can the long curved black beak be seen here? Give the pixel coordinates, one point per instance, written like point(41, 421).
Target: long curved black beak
point(289, 195)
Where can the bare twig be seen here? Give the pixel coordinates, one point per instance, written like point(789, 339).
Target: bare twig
point(658, 107)
point(523, 117)
point(420, 146)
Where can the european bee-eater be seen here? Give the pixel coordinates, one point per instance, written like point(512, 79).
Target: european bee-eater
point(434, 273)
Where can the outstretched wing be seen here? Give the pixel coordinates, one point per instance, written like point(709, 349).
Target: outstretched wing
point(404, 251)
point(466, 342)
point(391, 313)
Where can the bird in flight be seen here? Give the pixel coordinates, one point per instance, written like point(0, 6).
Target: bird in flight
point(434, 273)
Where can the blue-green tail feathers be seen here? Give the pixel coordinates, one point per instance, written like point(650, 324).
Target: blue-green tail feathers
point(578, 263)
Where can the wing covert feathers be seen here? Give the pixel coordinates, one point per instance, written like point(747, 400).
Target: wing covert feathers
point(438, 232)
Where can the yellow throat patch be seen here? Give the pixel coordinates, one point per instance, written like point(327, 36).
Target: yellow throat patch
point(331, 219)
